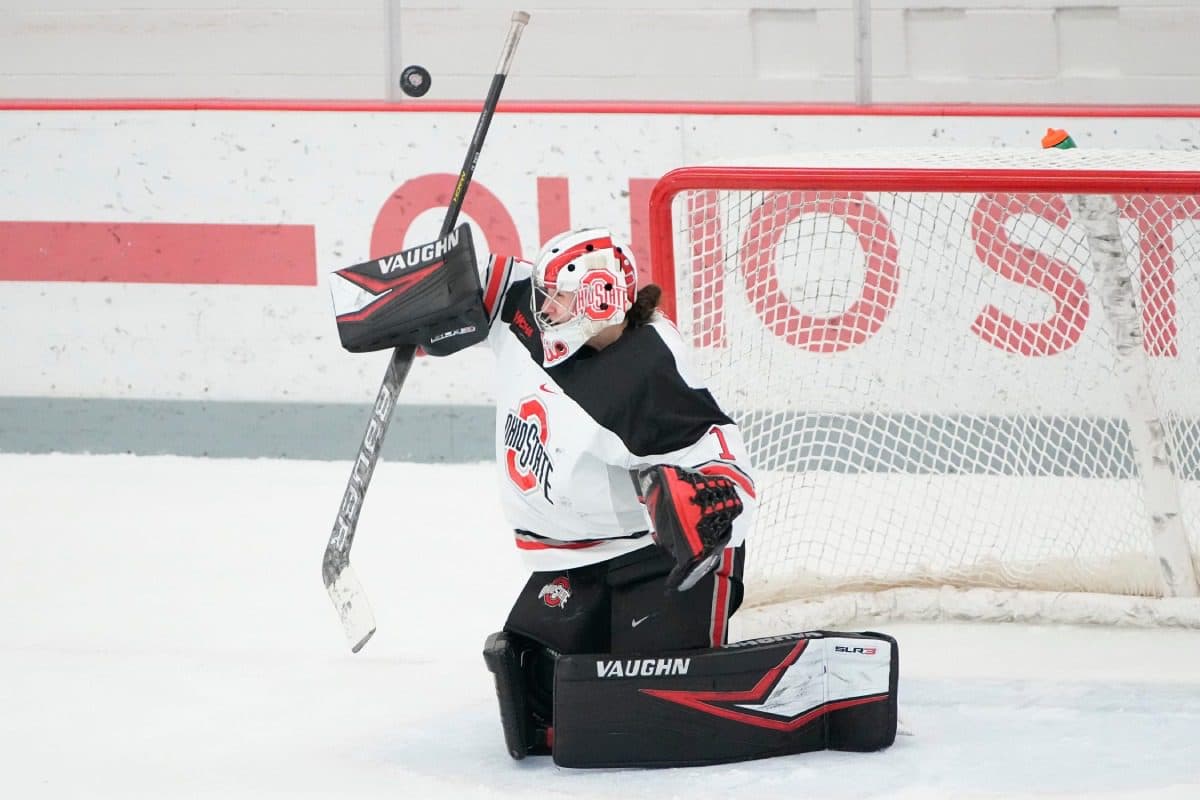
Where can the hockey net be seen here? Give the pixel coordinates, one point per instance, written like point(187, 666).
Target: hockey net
point(970, 382)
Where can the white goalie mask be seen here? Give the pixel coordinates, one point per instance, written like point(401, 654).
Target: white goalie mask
point(582, 284)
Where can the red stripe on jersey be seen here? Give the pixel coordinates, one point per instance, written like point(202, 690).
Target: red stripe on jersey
point(500, 268)
point(532, 544)
point(720, 609)
point(733, 474)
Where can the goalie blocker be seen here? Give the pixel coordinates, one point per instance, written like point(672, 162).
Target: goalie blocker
point(754, 699)
point(428, 296)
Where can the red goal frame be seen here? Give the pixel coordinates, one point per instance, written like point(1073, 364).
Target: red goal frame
point(871, 179)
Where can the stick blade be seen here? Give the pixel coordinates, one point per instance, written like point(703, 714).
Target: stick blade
point(358, 621)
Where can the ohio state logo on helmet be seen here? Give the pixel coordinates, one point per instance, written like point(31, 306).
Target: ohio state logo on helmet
point(526, 461)
point(598, 298)
point(556, 593)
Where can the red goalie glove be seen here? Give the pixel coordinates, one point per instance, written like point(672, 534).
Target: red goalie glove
point(693, 518)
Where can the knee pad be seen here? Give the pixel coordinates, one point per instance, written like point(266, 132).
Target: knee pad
point(524, 675)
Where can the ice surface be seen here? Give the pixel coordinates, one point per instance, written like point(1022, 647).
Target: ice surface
point(165, 633)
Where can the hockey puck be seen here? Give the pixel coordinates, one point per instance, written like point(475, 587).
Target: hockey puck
point(415, 80)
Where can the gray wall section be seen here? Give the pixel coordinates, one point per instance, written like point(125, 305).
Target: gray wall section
point(320, 431)
point(960, 444)
point(1085, 447)
point(981, 51)
point(952, 444)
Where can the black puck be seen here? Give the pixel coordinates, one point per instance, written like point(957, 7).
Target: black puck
point(415, 80)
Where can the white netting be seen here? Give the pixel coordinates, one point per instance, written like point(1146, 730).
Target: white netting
point(939, 387)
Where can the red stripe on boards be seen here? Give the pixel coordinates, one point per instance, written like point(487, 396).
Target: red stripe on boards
point(158, 252)
point(607, 107)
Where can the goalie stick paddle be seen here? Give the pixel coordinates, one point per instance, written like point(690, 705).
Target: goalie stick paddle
point(343, 586)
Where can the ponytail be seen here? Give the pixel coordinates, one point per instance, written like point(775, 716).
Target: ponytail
point(644, 305)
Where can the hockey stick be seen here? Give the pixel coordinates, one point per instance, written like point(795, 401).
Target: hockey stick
point(340, 581)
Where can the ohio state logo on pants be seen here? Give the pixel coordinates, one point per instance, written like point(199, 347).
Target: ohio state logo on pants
point(556, 593)
point(526, 432)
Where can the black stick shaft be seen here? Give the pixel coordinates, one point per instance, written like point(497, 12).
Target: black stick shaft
point(468, 168)
point(340, 581)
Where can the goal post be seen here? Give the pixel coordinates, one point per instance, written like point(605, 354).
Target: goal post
point(967, 378)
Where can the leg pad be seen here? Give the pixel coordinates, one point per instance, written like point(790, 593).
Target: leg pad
point(775, 696)
point(519, 668)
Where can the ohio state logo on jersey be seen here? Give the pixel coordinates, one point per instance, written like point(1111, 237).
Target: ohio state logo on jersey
point(556, 593)
point(526, 432)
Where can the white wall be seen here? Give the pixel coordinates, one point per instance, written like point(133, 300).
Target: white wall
point(90, 330)
point(1078, 51)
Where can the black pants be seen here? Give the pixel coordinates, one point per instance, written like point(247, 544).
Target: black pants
point(623, 606)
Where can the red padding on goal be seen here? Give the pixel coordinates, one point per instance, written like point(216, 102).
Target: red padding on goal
point(154, 252)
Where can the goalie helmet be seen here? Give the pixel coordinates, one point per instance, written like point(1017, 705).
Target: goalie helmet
point(582, 283)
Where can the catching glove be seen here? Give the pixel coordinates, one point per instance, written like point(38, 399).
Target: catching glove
point(692, 514)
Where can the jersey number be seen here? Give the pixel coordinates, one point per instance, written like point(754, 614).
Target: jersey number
point(725, 454)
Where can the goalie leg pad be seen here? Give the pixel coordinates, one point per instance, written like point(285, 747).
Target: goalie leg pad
point(522, 672)
point(766, 697)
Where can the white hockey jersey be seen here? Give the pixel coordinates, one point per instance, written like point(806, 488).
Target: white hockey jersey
point(567, 436)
